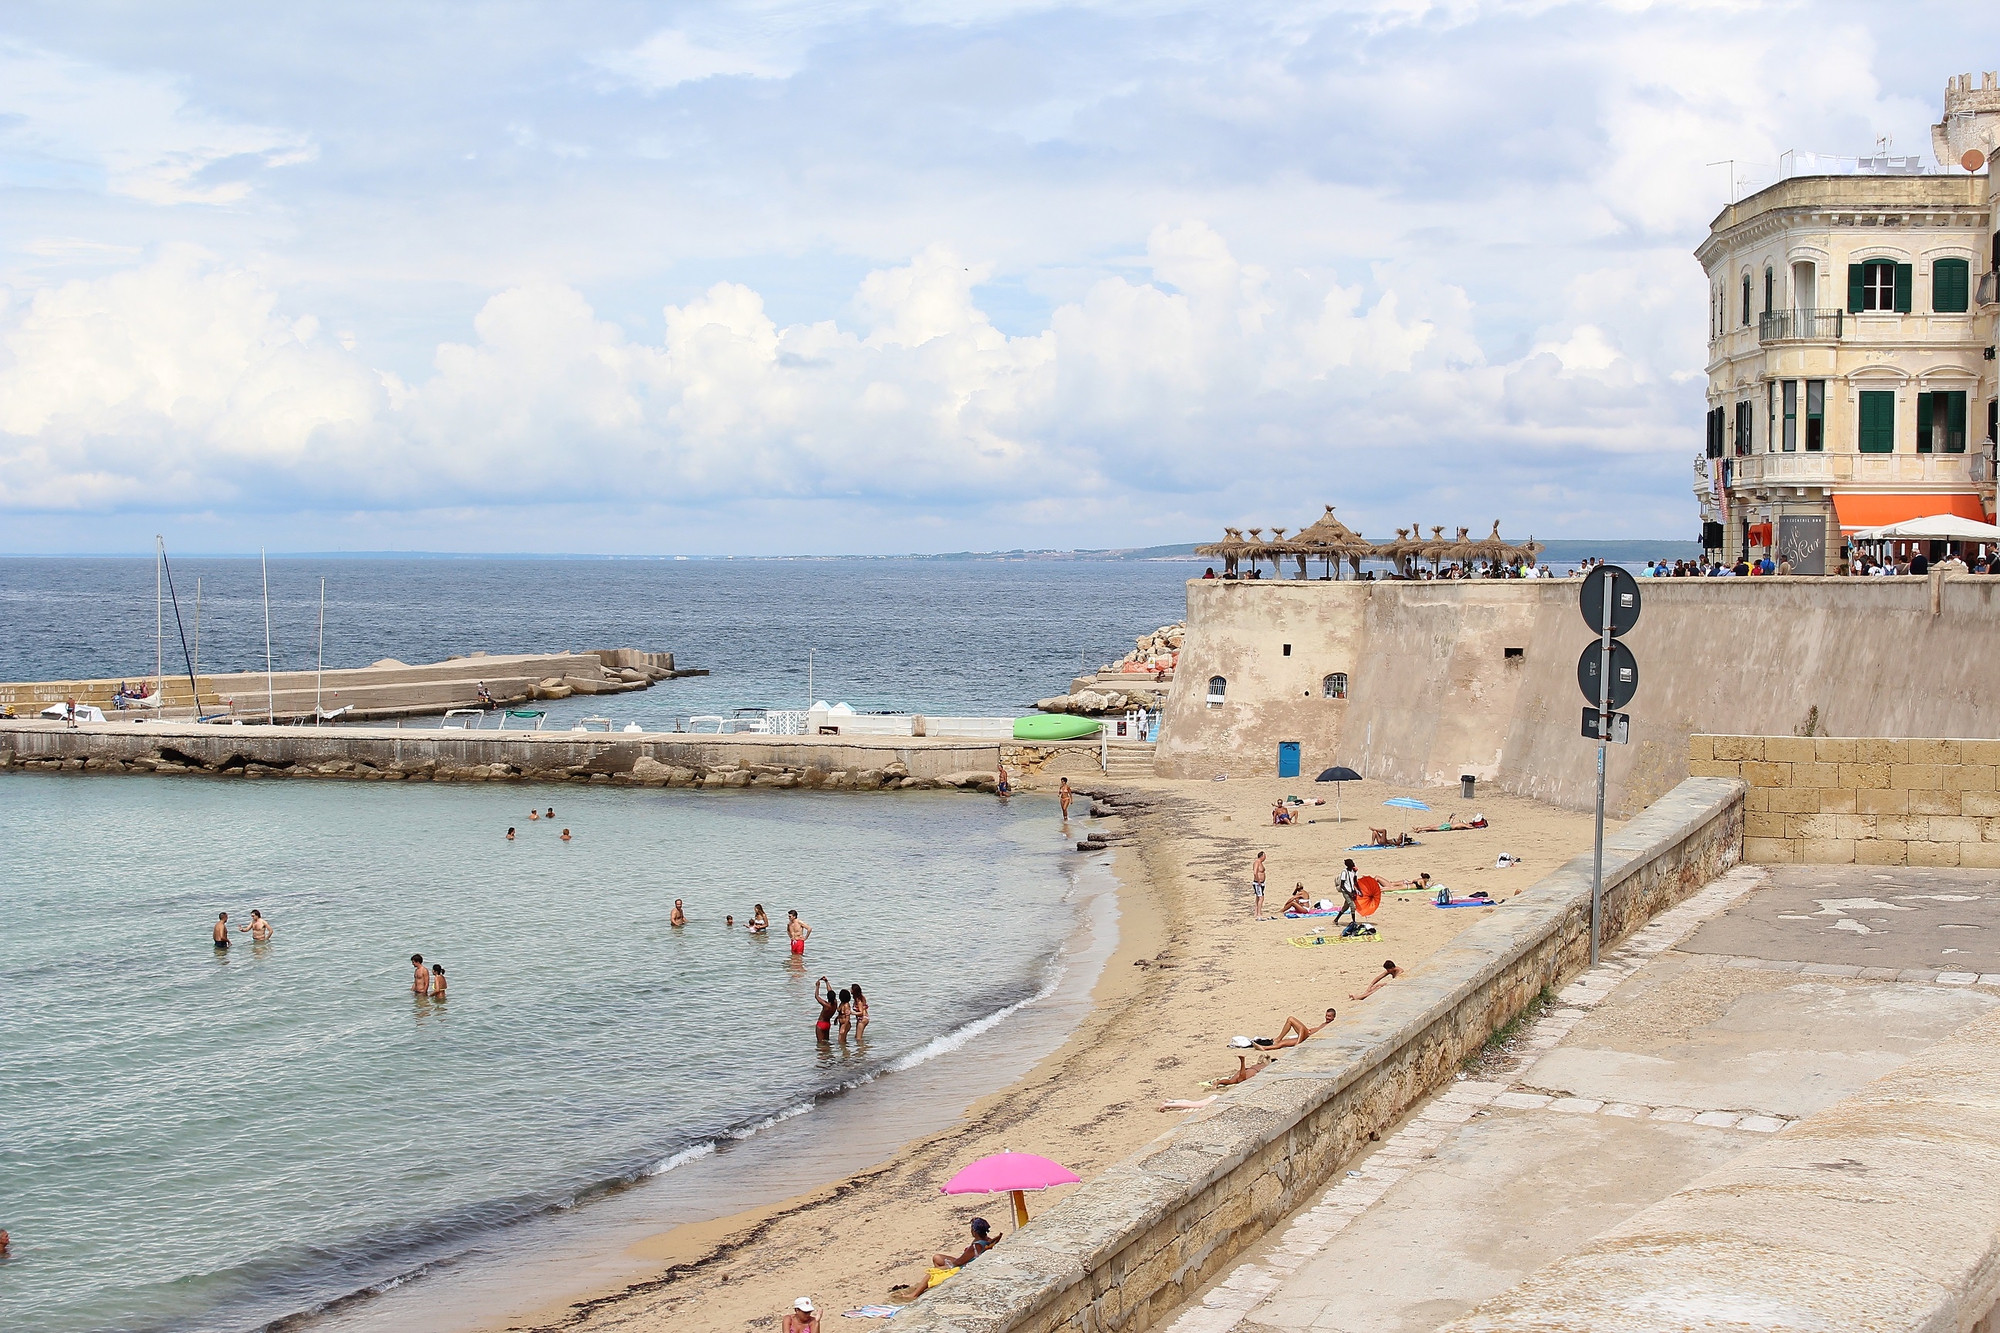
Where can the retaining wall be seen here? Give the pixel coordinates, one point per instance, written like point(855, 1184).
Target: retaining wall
point(1837, 800)
point(1145, 1236)
point(1433, 692)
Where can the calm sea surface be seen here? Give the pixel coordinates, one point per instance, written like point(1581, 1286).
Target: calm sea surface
point(193, 1140)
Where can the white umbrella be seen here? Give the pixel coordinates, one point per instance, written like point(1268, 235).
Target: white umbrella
point(1937, 527)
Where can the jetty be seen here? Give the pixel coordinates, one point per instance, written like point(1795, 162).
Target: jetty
point(383, 690)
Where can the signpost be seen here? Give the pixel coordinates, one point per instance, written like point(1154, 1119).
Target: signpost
point(1608, 675)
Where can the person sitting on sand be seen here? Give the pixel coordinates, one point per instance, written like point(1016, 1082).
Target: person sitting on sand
point(1292, 1033)
point(1280, 815)
point(1298, 902)
point(1389, 973)
point(801, 1318)
point(943, 1266)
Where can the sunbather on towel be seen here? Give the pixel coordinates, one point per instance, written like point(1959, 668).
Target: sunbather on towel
point(1298, 902)
point(1245, 1071)
point(1280, 814)
point(1291, 1034)
point(942, 1266)
point(1451, 824)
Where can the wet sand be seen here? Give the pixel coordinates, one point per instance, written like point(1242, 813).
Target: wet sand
point(1190, 969)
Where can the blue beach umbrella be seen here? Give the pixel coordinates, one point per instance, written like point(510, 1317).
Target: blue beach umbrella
point(1406, 803)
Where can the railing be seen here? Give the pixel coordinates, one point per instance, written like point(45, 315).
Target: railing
point(1822, 325)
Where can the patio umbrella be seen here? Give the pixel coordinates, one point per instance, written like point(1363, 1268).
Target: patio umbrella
point(1406, 803)
point(1337, 776)
point(1010, 1173)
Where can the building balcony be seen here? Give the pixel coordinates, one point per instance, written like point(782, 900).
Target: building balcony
point(1801, 326)
point(1944, 471)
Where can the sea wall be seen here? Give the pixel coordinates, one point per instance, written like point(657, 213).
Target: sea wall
point(1838, 1223)
point(1139, 1240)
point(1836, 801)
point(653, 759)
point(1479, 677)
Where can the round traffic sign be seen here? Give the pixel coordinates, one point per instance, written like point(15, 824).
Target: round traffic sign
point(1624, 673)
point(1624, 599)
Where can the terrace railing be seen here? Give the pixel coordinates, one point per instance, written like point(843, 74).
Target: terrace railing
point(1809, 325)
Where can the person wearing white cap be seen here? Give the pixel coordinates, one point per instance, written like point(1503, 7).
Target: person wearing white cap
point(802, 1318)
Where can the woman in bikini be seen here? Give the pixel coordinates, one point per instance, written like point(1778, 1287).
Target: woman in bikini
point(846, 1014)
point(828, 1005)
point(759, 923)
point(860, 1010)
point(437, 981)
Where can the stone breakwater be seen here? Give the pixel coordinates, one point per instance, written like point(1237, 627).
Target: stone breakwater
point(654, 759)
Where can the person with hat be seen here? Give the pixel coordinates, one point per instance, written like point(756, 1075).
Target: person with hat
point(802, 1318)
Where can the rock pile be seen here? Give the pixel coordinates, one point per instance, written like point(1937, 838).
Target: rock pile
point(1092, 703)
point(1155, 652)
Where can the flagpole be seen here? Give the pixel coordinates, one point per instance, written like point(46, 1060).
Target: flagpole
point(195, 664)
point(321, 673)
point(270, 692)
point(159, 623)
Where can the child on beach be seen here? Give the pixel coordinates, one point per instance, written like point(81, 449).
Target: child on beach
point(801, 1318)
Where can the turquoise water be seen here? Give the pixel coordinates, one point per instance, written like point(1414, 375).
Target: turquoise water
point(194, 1140)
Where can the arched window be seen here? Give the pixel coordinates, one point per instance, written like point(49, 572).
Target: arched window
point(1770, 288)
point(1335, 685)
point(1216, 687)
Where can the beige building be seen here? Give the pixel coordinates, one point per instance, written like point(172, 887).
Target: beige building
point(1851, 328)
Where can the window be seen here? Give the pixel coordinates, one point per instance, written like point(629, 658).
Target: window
point(1288, 650)
point(1951, 286)
point(1746, 414)
point(1515, 655)
point(1335, 685)
point(1770, 288)
point(1878, 422)
point(1791, 416)
point(1879, 285)
point(1716, 431)
point(1815, 416)
point(1216, 687)
point(1941, 423)
point(1746, 300)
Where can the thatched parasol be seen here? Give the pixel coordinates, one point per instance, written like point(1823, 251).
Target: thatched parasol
point(1229, 550)
point(1493, 549)
point(1331, 540)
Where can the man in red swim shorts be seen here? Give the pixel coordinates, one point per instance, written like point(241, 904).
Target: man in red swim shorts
point(799, 931)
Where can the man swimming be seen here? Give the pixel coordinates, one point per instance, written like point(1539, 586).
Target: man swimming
point(221, 932)
point(799, 931)
point(259, 929)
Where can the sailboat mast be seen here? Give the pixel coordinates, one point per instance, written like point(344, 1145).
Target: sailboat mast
point(159, 621)
point(270, 691)
point(194, 667)
point(320, 674)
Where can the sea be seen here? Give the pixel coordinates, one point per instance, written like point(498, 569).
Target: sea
point(282, 1134)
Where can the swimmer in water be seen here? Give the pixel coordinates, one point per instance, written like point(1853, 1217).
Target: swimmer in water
point(729, 922)
point(422, 984)
point(533, 816)
point(510, 833)
point(221, 932)
point(259, 929)
point(799, 931)
point(565, 836)
point(823, 992)
point(550, 813)
point(759, 923)
point(437, 981)
point(679, 917)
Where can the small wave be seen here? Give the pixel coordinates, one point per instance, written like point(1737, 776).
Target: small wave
point(958, 1036)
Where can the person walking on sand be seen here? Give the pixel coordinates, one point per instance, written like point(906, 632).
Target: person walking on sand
point(1063, 794)
point(421, 985)
point(221, 932)
point(1350, 889)
point(801, 1318)
point(823, 992)
point(679, 917)
point(1257, 889)
point(259, 929)
point(799, 931)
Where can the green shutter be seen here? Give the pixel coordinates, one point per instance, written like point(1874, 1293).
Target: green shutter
point(1857, 277)
point(1951, 283)
point(1954, 423)
point(1878, 422)
point(1906, 280)
point(1924, 423)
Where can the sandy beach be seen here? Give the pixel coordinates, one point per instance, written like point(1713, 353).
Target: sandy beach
point(1191, 969)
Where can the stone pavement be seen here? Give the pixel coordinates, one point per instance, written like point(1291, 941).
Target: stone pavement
point(1663, 1063)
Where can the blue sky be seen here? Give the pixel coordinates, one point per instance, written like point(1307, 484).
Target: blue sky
point(852, 277)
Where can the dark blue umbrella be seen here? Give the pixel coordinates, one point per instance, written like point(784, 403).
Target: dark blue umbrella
point(1337, 776)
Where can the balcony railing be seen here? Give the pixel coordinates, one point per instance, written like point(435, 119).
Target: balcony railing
point(1819, 325)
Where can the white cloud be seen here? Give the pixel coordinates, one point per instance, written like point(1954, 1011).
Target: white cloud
point(670, 58)
point(66, 121)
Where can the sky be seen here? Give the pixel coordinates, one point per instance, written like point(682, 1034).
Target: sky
point(849, 277)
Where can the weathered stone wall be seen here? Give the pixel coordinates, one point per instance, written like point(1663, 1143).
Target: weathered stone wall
point(1136, 1242)
point(1432, 692)
point(1838, 801)
point(1880, 1212)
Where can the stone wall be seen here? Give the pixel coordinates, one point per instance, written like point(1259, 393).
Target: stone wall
point(1133, 1244)
point(1479, 676)
point(1837, 801)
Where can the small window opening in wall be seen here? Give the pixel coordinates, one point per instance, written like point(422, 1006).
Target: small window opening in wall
point(1288, 650)
point(1516, 654)
point(1335, 685)
point(1216, 688)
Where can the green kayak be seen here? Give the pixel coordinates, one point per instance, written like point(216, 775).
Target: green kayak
point(1053, 727)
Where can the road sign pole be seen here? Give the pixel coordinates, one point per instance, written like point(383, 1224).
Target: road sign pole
point(1603, 735)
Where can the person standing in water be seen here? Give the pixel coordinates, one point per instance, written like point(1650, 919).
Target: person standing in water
point(422, 983)
point(679, 916)
point(799, 931)
point(860, 1009)
point(759, 923)
point(565, 836)
point(1000, 785)
point(1063, 794)
point(259, 929)
point(846, 1011)
point(510, 833)
point(823, 992)
point(437, 981)
point(220, 935)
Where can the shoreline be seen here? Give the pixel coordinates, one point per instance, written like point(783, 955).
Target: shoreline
point(1188, 970)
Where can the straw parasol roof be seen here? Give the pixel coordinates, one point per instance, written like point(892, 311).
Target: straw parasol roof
point(1493, 548)
point(1230, 549)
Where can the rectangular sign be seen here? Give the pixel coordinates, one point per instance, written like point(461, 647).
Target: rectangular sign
point(1802, 541)
point(1621, 727)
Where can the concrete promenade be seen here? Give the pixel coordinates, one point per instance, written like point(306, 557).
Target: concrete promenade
point(1723, 1023)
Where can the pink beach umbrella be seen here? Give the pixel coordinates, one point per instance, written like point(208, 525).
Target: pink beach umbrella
point(1010, 1173)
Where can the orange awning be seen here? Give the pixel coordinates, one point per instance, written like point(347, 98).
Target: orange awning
point(1875, 511)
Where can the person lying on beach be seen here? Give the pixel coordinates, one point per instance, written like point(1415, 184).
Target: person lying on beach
point(1389, 973)
point(1292, 1033)
point(259, 929)
point(1244, 1073)
point(1298, 902)
point(1449, 824)
point(943, 1266)
point(1183, 1104)
point(801, 1318)
point(1422, 881)
point(1379, 837)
